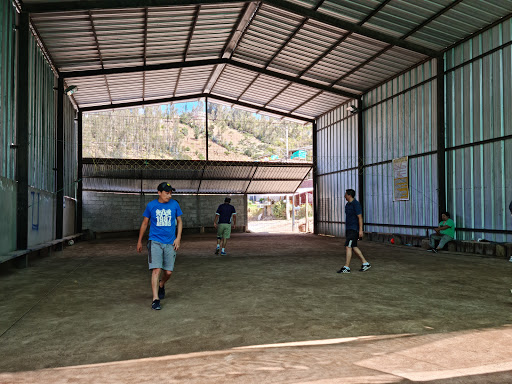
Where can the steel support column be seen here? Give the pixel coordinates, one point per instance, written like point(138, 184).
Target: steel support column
point(79, 201)
point(206, 124)
point(315, 180)
point(22, 131)
point(441, 146)
point(360, 151)
point(59, 210)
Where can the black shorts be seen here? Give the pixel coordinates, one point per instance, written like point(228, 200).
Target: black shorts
point(351, 238)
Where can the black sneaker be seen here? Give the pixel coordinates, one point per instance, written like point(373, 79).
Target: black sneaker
point(344, 270)
point(365, 267)
point(217, 251)
point(156, 305)
point(161, 292)
point(433, 250)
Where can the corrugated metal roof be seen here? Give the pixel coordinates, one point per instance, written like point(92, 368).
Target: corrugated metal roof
point(192, 176)
point(287, 55)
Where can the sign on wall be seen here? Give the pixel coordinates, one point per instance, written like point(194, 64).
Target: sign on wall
point(401, 179)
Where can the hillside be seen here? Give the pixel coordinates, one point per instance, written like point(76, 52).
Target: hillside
point(156, 133)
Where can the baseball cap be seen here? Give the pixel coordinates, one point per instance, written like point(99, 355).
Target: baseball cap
point(165, 186)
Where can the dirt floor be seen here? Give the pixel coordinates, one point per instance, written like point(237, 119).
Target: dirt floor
point(273, 310)
point(274, 226)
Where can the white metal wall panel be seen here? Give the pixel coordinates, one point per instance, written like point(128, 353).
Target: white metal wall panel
point(260, 187)
point(119, 36)
point(160, 84)
point(337, 161)
point(117, 87)
point(310, 42)
point(323, 101)
point(212, 30)
point(233, 81)
point(293, 95)
point(70, 149)
point(193, 80)
point(168, 31)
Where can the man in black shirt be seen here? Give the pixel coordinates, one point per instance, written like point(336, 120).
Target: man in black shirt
point(226, 216)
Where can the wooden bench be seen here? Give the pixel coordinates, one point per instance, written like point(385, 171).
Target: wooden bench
point(22, 254)
point(488, 249)
point(485, 249)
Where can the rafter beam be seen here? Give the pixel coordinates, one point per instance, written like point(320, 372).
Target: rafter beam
point(385, 49)
point(198, 63)
point(142, 68)
point(293, 79)
point(343, 38)
point(93, 28)
point(195, 97)
point(244, 20)
point(144, 53)
point(352, 27)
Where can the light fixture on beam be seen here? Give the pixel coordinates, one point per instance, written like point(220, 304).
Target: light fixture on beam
point(70, 90)
point(352, 109)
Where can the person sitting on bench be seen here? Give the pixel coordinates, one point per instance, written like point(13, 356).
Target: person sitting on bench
point(445, 233)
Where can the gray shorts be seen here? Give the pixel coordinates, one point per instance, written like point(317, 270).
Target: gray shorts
point(161, 255)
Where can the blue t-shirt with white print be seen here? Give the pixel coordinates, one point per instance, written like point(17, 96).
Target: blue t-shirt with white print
point(162, 217)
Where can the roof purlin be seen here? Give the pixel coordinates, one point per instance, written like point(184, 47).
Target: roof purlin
point(63, 6)
point(198, 63)
point(282, 4)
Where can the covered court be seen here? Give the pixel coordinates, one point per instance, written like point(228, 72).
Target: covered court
point(409, 105)
point(273, 311)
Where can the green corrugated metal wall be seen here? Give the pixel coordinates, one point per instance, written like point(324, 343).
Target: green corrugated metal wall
point(7, 55)
point(42, 136)
point(42, 121)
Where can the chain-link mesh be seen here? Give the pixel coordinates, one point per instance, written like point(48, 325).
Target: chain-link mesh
point(192, 132)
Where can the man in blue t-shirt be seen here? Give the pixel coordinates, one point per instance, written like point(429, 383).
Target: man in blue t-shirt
point(225, 215)
point(354, 231)
point(163, 214)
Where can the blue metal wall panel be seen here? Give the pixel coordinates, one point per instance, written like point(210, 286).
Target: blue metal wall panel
point(337, 161)
point(7, 66)
point(479, 133)
point(400, 120)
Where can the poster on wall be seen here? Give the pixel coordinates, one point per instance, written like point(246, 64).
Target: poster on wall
point(401, 179)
